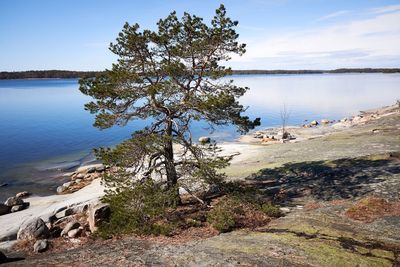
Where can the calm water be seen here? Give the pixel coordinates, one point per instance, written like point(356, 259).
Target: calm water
point(43, 123)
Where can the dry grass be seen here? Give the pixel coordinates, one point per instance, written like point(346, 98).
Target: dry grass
point(24, 245)
point(371, 208)
point(312, 206)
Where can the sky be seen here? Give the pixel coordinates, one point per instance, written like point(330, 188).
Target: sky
point(280, 34)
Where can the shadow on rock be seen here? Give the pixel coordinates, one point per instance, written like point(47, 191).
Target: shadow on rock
point(326, 180)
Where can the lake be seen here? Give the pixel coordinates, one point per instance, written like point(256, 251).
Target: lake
point(44, 128)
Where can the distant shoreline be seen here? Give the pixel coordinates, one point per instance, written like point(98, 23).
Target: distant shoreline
point(66, 74)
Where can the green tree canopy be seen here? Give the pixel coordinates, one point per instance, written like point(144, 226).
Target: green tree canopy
point(170, 75)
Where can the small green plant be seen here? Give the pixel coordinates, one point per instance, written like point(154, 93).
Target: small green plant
point(225, 215)
point(271, 210)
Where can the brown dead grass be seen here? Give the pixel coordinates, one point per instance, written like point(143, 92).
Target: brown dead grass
point(312, 206)
point(371, 208)
point(183, 236)
point(24, 245)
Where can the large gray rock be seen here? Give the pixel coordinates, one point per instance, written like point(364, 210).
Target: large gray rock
point(70, 226)
point(40, 246)
point(33, 229)
point(13, 201)
point(97, 214)
point(4, 209)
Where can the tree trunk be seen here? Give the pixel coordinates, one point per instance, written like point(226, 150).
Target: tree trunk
point(172, 177)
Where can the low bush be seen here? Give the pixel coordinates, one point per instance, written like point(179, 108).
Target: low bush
point(140, 209)
point(223, 217)
point(271, 210)
point(235, 211)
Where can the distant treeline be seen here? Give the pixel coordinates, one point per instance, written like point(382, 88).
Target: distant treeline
point(46, 74)
point(363, 70)
point(64, 74)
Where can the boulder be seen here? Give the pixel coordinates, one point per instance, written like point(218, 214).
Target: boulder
point(4, 209)
point(314, 123)
point(33, 229)
point(325, 121)
point(204, 140)
point(60, 189)
point(97, 214)
point(344, 120)
point(70, 226)
point(100, 168)
point(13, 201)
point(75, 233)
point(40, 246)
point(67, 184)
point(77, 181)
point(22, 194)
point(3, 258)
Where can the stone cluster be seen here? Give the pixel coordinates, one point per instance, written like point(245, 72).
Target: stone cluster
point(14, 204)
point(69, 222)
point(81, 178)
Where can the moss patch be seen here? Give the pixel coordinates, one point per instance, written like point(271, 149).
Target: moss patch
point(329, 253)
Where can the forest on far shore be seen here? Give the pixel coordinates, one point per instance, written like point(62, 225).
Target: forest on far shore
point(65, 74)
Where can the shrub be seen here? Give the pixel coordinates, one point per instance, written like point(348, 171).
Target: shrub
point(140, 209)
point(240, 210)
point(271, 210)
point(223, 216)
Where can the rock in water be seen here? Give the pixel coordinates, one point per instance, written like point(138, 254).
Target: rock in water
point(314, 123)
point(4, 209)
point(325, 121)
point(60, 189)
point(13, 201)
point(40, 246)
point(33, 229)
point(98, 214)
point(204, 140)
point(22, 194)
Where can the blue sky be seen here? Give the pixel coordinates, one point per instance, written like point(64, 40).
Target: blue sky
point(280, 34)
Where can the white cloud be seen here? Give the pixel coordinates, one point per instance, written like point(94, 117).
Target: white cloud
point(385, 9)
point(334, 15)
point(368, 42)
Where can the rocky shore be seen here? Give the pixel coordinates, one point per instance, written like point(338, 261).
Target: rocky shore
point(324, 176)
